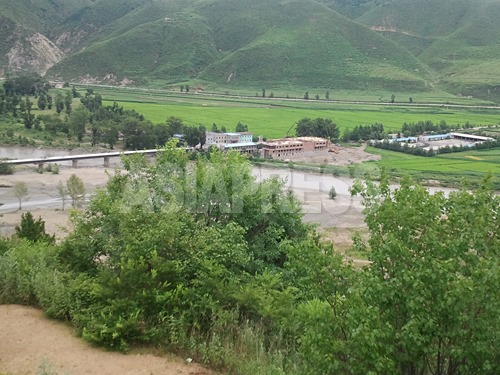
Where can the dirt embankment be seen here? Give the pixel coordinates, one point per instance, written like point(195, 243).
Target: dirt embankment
point(32, 344)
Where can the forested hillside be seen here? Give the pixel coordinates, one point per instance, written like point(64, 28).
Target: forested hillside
point(373, 45)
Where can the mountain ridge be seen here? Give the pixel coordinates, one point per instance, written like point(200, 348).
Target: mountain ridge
point(396, 45)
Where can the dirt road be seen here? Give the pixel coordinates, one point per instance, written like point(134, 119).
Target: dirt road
point(30, 343)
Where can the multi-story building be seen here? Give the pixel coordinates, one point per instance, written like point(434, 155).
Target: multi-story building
point(314, 143)
point(278, 148)
point(217, 139)
point(282, 147)
point(222, 139)
point(242, 147)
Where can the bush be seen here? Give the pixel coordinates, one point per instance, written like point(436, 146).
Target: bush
point(332, 193)
point(6, 169)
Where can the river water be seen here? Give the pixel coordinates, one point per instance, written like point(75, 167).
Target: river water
point(310, 188)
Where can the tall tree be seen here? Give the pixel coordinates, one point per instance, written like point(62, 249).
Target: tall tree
point(20, 191)
point(76, 190)
point(78, 121)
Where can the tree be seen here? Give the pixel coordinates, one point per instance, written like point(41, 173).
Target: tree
point(327, 95)
point(33, 230)
point(263, 92)
point(214, 128)
point(78, 121)
point(76, 190)
point(318, 127)
point(49, 102)
point(410, 99)
point(240, 127)
point(434, 277)
point(68, 99)
point(187, 88)
point(63, 192)
point(192, 136)
point(203, 135)
point(182, 88)
point(59, 102)
point(306, 95)
point(175, 125)
point(92, 101)
point(393, 98)
point(20, 191)
point(74, 92)
point(317, 97)
point(42, 102)
point(109, 134)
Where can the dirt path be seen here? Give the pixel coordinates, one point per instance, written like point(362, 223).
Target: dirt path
point(30, 343)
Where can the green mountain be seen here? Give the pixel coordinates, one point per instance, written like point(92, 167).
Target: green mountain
point(389, 45)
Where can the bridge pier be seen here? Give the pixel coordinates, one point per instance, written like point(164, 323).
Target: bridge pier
point(106, 161)
point(75, 163)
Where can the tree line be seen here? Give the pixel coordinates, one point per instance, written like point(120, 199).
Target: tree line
point(419, 151)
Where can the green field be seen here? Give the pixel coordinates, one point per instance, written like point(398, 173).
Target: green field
point(273, 118)
point(451, 168)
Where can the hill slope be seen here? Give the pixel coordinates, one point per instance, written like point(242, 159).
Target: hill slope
point(276, 43)
point(458, 39)
point(393, 45)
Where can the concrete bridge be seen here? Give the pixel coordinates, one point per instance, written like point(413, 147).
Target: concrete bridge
point(74, 158)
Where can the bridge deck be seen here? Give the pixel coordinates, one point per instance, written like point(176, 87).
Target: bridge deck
point(53, 159)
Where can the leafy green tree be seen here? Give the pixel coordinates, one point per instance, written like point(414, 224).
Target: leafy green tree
point(63, 192)
point(20, 191)
point(317, 97)
point(76, 190)
point(433, 277)
point(175, 125)
point(74, 92)
point(327, 95)
point(42, 102)
point(318, 127)
point(78, 122)
point(49, 102)
point(241, 127)
point(180, 240)
point(59, 102)
point(306, 95)
point(393, 98)
point(68, 99)
point(33, 230)
point(263, 92)
point(92, 101)
point(110, 134)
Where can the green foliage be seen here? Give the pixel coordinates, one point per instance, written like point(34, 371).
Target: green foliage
point(6, 169)
point(33, 230)
point(20, 191)
point(76, 190)
point(319, 127)
point(201, 259)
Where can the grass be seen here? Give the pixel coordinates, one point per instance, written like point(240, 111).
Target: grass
point(273, 118)
point(449, 169)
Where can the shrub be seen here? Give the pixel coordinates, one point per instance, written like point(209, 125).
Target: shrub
point(6, 169)
point(332, 193)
